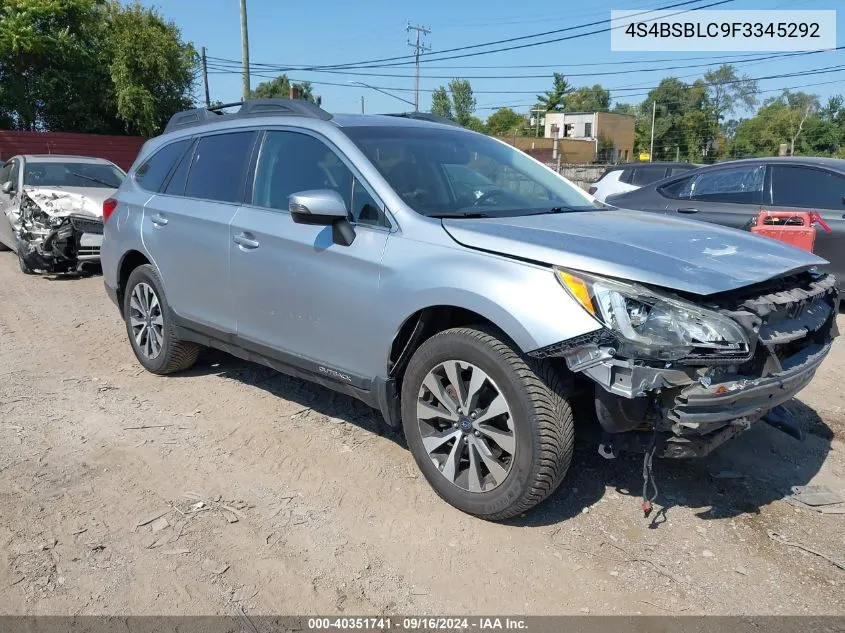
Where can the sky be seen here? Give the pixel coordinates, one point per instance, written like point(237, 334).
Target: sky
point(332, 32)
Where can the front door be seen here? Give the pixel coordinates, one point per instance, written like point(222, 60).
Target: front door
point(10, 172)
point(731, 196)
point(300, 296)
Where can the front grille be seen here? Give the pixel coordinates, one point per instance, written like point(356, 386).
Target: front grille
point(85, 224)
point(787, 319)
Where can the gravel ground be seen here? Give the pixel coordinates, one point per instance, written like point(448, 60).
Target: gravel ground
point(233, 487)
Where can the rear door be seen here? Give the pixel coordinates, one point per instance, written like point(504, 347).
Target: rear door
point(186, 228)
point(806, 188)
point(728, 195)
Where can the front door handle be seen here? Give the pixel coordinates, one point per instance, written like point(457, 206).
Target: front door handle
point(158, 219)
point(245, 240)
point(687, 210)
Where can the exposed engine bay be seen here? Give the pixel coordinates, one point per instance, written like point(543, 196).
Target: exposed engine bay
point(56, 231)
point(686, 403)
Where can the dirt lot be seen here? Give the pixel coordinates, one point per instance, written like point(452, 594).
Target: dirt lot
point(309, 505)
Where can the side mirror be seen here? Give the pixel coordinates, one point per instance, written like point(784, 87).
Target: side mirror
point(323, 207)
point(8, 187)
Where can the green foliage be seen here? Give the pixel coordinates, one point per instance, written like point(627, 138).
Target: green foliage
point(792, 118)
point(91, 66)
point(588, 99)
point(554, 100)
point(504, 121)
point(151, 68)
point(279, 88)
point(457, 104)
point(441, 105)
point(682, 125)
point(726, 90)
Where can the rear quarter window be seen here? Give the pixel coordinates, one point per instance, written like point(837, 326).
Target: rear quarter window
point(152, 173)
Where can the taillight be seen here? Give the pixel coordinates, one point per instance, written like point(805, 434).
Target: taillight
point(592, 190)
point(109, 205)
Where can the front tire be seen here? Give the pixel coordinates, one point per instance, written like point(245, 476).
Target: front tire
point(149, 324)
point(25, 269)
point(489, 428)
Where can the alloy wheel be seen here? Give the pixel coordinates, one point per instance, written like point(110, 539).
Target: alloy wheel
point(146, 320)
point(466, 426)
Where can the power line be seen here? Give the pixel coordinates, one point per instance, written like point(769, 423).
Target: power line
point(368, 63)
point(736, 61)
point(816, 71)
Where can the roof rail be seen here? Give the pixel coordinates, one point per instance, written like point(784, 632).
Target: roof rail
point(426, 116)
point(251, 107)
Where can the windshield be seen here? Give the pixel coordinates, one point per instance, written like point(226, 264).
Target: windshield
point(449, 172)
point(54, 174)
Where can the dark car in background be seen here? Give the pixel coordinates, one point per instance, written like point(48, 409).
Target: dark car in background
point(733, 193)
point(630, 176)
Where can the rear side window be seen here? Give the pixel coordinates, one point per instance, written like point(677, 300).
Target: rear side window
point(152, 173)
point(219, 166)
point(646, 175)
point(806, 187)
point(176, 185)
point(743, 185)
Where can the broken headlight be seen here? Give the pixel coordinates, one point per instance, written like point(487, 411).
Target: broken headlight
point(651, 325)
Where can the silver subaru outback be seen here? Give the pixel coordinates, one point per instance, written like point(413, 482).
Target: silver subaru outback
point(460, 287)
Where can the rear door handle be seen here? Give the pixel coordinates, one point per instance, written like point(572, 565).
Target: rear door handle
point(158, 219)
point(687, 210)
point(245, 240)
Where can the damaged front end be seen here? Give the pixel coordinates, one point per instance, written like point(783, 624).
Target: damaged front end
point(53, 235)
point(678, 377)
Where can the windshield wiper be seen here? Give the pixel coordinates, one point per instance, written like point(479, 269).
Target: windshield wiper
point(92, 179)
point(461, 214)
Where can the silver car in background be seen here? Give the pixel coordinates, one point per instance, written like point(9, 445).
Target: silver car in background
point(51, 210)
point(463, 289)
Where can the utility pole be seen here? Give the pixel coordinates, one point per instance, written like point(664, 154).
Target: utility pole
point(205, 79)
point(362, 104)
point(418, 48)
point(245, 51)
point(653, 116)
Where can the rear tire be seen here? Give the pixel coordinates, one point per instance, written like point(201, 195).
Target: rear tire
point(508, 410)
point(149, 324)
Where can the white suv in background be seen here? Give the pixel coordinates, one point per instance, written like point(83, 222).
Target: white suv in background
point(630, 176)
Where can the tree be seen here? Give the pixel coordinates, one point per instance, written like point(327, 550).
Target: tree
point(463, 101)
point(279, 88)
point(151, 68)
point(91, 66)
point(458, 104)
point(554, 100)
point(588, 99)
point(780, 120)
point(726, 91)
point(682, 124)
point(50, 57)
point(441, 105)
point(504, 121)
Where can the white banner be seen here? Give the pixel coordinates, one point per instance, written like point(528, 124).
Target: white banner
point(706, 30)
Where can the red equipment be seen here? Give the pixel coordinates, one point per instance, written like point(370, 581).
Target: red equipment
point(793, 227)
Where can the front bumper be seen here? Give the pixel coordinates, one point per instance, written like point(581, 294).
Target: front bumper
point(696, 404)
point(699, 410)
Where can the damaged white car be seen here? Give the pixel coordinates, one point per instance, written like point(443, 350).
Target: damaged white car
point(51, 210)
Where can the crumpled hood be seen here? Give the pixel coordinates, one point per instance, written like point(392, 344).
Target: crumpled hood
point(66, 200)
point(683, 255)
